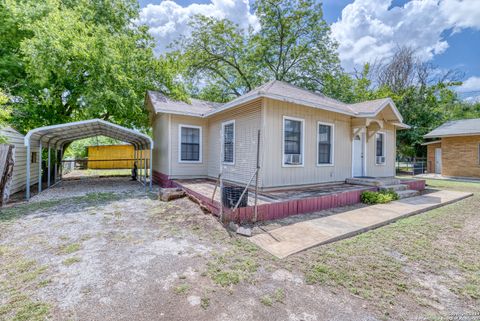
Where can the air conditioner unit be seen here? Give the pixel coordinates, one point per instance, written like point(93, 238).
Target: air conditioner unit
point(380, 159)
point(293, 159)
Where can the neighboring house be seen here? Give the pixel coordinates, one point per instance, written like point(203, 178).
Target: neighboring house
point(306, 138)
point(19, 177)
point(456, 152)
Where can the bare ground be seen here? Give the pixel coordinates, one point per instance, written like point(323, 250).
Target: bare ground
point(76, 255)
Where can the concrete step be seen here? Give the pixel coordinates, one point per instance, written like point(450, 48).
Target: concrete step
point(396, 188)
point(407, 193)
point(372, 181)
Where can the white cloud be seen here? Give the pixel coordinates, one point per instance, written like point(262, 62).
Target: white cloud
point(168, 19)
point(371, 29)
point(470, 85)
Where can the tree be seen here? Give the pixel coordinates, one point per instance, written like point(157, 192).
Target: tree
point(82, 59)
point(292, 44)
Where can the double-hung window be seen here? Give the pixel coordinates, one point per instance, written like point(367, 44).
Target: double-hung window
point(190, 144)
point(380, 148)
point(293, 131)
point(325, 144)
point(228, 142)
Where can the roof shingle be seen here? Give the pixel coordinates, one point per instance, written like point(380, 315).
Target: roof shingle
point(456, 128)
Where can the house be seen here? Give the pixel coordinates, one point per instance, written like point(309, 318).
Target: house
point(19, 177)
point(456, 149)
point(305, 138)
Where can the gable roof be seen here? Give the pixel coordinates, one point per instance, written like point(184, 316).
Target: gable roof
point(464, 127)
point(277, 90)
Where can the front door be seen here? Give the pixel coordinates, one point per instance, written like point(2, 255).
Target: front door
point(438, 161)
point(357, 156)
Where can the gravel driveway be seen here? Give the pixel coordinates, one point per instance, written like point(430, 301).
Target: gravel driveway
point(104, 250)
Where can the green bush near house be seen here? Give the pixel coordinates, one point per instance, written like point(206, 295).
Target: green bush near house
point(381, 197)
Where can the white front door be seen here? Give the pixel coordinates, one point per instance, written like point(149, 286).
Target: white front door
point(438, 161)
point(357, 156)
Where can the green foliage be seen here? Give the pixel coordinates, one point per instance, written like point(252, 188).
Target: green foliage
point(293, 44)
point(73, 60)
point(381, 197)
point(5, 113)
point(78, 149)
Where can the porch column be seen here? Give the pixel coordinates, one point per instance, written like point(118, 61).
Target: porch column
point(55, 166)
point(145, 165)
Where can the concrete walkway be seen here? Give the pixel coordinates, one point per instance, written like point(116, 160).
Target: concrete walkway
point(291, 239)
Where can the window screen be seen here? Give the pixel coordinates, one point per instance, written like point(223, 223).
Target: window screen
point(324, 144)
point(228, 142)
point(380, 139)
point(292, 142)
point(190, 144)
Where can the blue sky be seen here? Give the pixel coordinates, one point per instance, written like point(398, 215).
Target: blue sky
point(446, 33)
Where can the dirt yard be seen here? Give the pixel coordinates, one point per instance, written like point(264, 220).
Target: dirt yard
point(77, 255)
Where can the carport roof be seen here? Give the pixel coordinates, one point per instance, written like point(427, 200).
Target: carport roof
point(57, 135)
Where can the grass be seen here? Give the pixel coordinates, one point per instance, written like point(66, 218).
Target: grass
point(182, 289)
point(204, 303)
point(278, 296)
point(386, 263)
point(70, 248)
point(239, 263)
point(19, 277)
point(71, 261)
point(12, 213)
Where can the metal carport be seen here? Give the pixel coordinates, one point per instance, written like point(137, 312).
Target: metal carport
point(57, 136)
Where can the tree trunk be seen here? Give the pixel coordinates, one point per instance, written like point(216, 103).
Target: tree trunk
point(7, 162)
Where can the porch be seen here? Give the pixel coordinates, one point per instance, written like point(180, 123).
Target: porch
point(277, 204)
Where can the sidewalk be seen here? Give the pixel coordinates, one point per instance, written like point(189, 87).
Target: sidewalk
point(291, 239)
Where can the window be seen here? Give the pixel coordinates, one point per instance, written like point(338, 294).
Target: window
point(190, 144)
point(292, 141)
point(380, 148)
point(325, 144)
point(34, 158)
point(229, 142)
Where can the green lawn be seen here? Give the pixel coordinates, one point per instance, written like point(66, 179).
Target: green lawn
point(429, 263)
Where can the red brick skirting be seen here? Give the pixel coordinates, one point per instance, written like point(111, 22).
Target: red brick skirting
point(163, 180)
point(416, 184)
point(277, 210)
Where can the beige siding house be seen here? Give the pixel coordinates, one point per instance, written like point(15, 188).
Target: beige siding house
point(305, 138)
point(19, 177)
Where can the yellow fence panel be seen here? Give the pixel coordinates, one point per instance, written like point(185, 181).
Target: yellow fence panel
point(113, 157)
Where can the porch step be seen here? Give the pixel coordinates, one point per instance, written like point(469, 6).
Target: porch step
point(372, 181)
point(407, 193)
point(396, 188)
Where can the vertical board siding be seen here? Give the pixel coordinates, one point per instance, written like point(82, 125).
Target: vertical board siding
point(160, 128)
point(185, 170)
point(247, 123)
point(111, 153)
point(19, 176)
point(388, 169)
point(275, 175)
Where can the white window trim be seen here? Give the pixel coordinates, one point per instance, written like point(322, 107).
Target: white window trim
point(332, 144)
point(180, 126)
point(302, 141)
point(223, 142)
point(384, 148)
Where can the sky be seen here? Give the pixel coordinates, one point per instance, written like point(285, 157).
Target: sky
point(445, 33)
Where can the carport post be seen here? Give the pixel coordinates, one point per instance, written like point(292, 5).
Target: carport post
point(40, 167)
point(145, 159)
point(27, 190)
point(151, 167)
point(56, 166)
point(49, 163)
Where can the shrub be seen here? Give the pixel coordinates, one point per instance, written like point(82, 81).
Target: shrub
point(380, 197)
